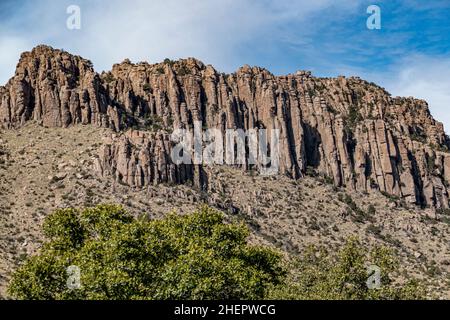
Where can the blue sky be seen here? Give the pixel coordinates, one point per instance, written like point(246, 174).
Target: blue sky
point(410, 55)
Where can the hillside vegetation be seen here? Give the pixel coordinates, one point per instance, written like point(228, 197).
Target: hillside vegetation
point(194, 256)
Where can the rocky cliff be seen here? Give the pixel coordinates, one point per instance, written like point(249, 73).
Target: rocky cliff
point(346, 129)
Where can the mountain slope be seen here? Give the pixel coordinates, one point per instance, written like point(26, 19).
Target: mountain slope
point(50, 168)
point(348, 129)
point(354, 160)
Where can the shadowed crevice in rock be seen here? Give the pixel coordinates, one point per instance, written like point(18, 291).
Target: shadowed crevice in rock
point(345, 128)
point(312, 145)
point(420, 198)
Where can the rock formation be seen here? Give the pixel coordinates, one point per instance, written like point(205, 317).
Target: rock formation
point(347, 129)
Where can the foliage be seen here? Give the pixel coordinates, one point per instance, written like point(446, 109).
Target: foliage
point(431, 166)
point(153, 122)
point(358, 215)
point(321, 275)
point(183, 71)
point(443, 211)
point(196, 256)
point(418, 136)
point(108, 77)
point(352, 119)
point(147, 87)
point(169, 62)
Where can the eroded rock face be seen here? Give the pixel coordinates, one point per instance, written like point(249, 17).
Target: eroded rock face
point(140, 159)
point(57, 89)
point(346, 128)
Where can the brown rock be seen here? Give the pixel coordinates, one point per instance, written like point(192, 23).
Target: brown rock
point(345, 128)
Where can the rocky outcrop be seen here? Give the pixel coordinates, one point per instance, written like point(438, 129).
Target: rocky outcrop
point(57, 89)
point(140, 159)
point(345, 128)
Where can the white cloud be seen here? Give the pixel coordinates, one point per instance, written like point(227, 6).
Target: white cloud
point(419, 76)
point(213, 31)
point(425, 78)
point(209, 30)
point(10, 50)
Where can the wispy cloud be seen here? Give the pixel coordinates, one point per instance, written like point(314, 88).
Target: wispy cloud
point(10, 50)
point(419, 76)
point(214, 31)
point(325, 36)
point(426, 78)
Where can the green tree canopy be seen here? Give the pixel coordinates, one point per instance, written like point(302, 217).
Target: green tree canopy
point(323, 275)
point(195, 256)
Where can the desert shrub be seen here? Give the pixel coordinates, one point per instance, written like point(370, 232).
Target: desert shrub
point(147, 87)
